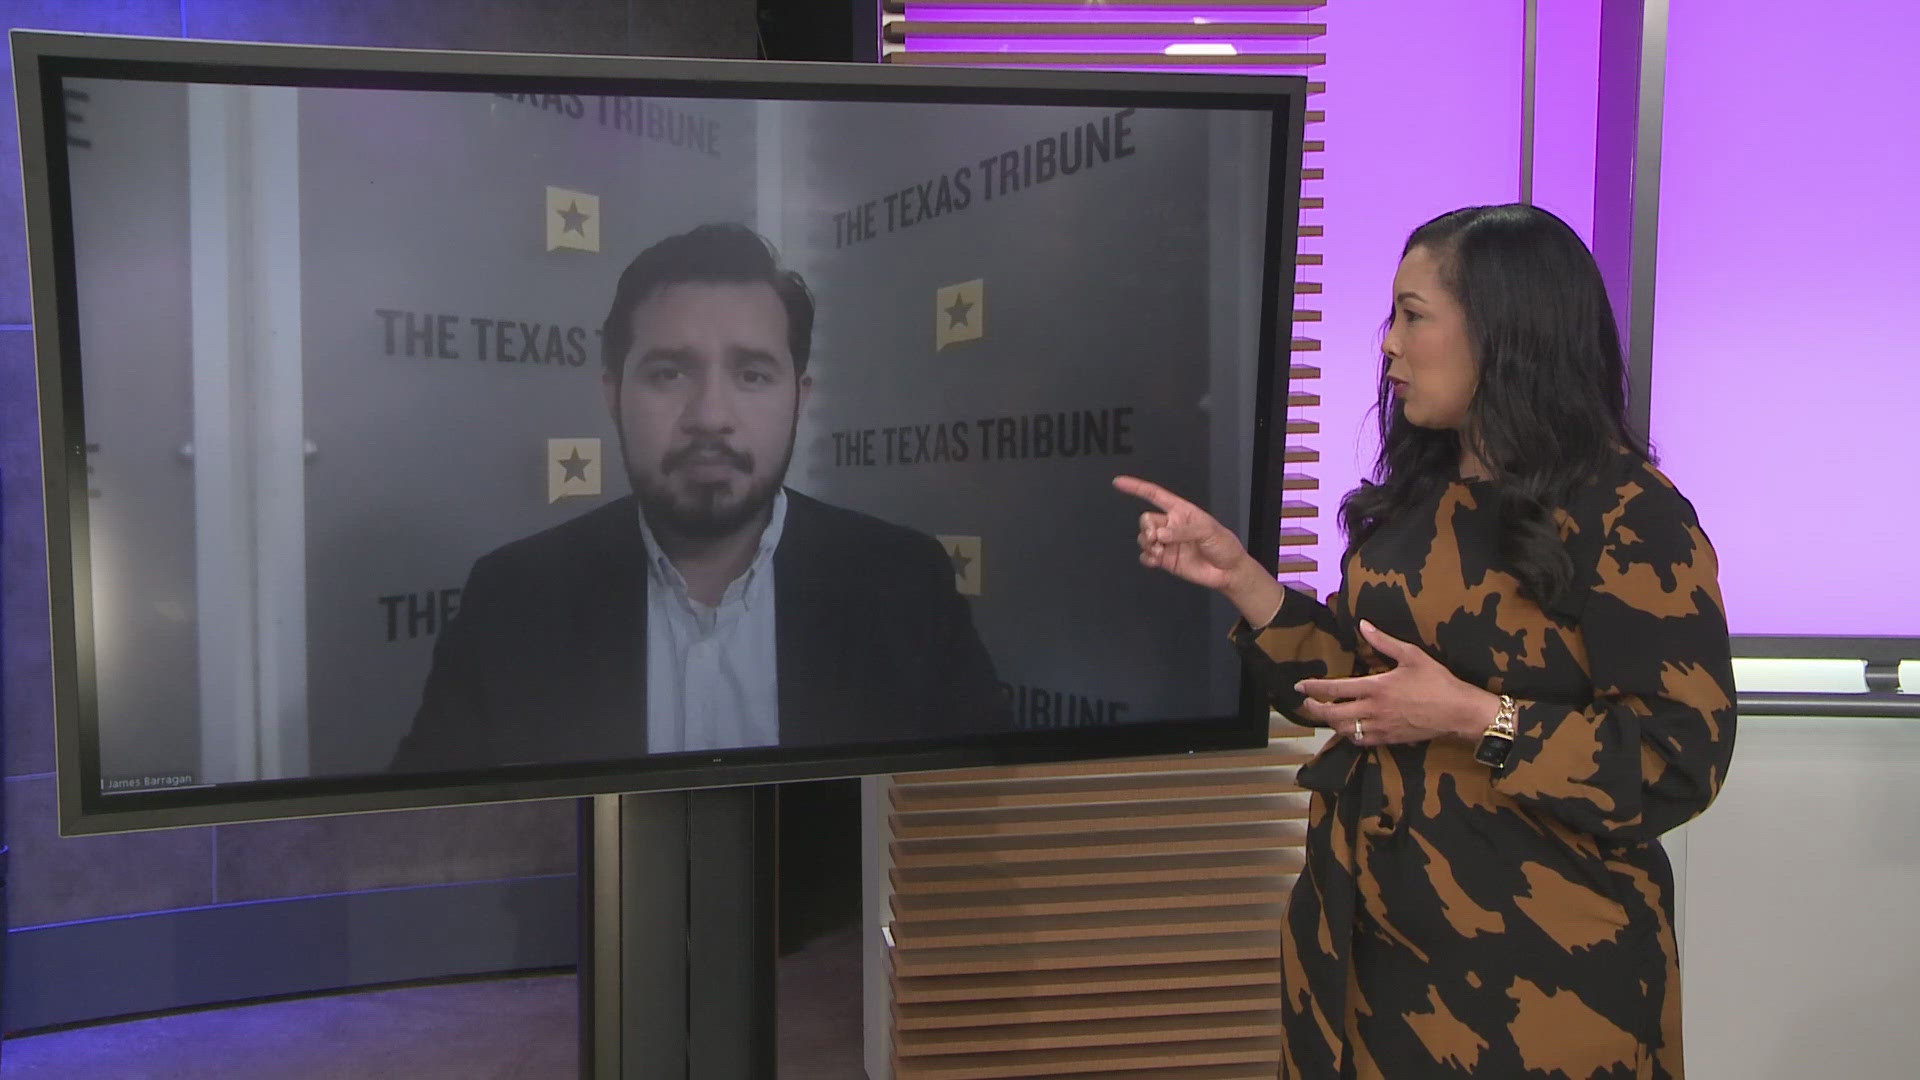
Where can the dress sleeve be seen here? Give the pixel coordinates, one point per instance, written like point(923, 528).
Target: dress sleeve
point(1305, 640)
point(1652, 749)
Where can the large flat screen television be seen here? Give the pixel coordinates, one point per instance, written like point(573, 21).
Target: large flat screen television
point(432, 427)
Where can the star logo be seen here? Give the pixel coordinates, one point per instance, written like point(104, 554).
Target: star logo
point(573, 220)
point(957, 312)
point(573, 468)
point(964, 553)
point(960, 313)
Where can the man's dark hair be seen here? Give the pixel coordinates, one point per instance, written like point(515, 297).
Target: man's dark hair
point(720, 254)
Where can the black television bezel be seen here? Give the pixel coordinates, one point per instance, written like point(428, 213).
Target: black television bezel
point(43, 60)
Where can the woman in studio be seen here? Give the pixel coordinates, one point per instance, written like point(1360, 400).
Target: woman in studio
point(1528, 678)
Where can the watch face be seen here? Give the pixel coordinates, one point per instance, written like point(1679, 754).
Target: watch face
point(1493, 750)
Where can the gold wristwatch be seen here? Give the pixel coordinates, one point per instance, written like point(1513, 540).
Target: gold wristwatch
point(1497, 742)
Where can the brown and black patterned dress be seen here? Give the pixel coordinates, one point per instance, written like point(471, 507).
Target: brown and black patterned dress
point(1452, 920)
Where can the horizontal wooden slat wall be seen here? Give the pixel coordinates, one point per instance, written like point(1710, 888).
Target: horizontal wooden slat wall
point(1114, 919)
point(1093, 919)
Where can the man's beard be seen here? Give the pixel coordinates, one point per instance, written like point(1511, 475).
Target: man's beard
point(705, 512)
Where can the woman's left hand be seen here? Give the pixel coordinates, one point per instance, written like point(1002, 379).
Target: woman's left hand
point(1417, 701)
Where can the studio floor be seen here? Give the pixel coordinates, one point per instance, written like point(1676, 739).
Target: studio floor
point(487, 1029)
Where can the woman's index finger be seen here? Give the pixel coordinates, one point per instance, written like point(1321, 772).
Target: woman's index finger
point(1160, 497)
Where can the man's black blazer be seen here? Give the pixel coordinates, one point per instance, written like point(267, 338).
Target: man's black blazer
point(546, 660)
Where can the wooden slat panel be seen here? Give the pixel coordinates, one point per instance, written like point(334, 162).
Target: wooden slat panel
point(1083, 822)
point(1303, 315)
point(1107, 59)
point(1307, 288)
point(1112, 807)
point(1300, 452)
point(1084, 1033)
point(998, 850)
point(1159, 896)
point(1136, 952)
point(1248, 1071)
point(1299, 481)
point(1253, 1070)
point(1074, 1064)
point(898, 31)
point(1281, 728)
point(1113, 1006)
point(1054, 847)
point(958, 881)
point(1240, 778)
point(1302, 426)
point(1294, 508)
point(1259, 885)
point(897, 7)
point(1124, 927)
point(1303, 371)
point(1293, 537)
point(1074, 982)
point(1297, 564)
point(1303, 344)
point(1105, 817)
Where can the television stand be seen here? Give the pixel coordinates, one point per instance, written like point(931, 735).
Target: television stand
point(678, 934)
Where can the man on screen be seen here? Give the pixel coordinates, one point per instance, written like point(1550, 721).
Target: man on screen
point(714, 608)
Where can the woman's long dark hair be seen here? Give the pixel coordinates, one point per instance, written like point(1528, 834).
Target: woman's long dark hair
point(1549, 411)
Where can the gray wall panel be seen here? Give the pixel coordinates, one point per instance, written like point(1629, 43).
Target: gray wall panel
point(175, 959)
point(27, 678)
point(381, 851)
point(51, 879)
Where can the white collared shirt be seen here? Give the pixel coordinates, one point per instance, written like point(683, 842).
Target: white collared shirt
point(712, 677)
